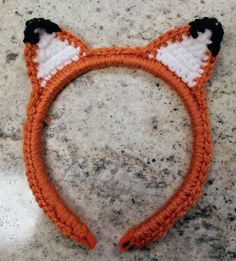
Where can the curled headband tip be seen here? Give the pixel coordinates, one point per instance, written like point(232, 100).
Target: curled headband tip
point(91, 241)
point(212, 24)
point(126, 242)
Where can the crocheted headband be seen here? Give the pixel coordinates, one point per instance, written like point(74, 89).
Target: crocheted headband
point(183, 57)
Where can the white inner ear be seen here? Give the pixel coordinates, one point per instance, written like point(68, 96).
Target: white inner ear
point(53, 55)
point(185, 58)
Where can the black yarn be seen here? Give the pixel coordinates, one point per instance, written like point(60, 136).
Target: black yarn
point(31, 36)
point(200, 25)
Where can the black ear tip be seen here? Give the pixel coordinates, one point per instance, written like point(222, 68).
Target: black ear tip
point(28, 22)
point(212, 24)
point(33, 37)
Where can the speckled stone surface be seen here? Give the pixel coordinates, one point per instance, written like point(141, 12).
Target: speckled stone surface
point(120, 140)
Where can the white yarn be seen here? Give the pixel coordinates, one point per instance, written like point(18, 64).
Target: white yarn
point(185, 58)
point(53, 55)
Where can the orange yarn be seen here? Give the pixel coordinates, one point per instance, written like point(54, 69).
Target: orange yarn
point(194, 100)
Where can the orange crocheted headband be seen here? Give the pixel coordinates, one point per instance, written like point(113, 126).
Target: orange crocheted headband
point(183, 57)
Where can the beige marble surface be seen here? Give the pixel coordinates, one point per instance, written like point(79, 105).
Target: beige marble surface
point(120, 140)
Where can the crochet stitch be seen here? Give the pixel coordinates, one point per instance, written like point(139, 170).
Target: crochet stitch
point(184, 58)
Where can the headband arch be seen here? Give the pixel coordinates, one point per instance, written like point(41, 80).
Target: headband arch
point(183, 57)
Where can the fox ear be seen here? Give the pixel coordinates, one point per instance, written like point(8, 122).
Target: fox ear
point(49, 50)
point(189, 51)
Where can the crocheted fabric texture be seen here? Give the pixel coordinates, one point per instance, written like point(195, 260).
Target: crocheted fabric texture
point(183, 57)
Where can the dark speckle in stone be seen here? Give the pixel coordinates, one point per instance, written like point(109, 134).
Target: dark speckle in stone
point(231, 218)
point(202, 2)
point(206, 225)
point(11, 57)
point(166, 171)
point(29, 12)
point(140, 175)
point(17, 13)
point(13, 39)
point(99, 165)
point(153, 160)
point(210, 182)
point(204, 212)
point(86, 173)
point(232, 254)
point(196, 228)
point(154, 123)
point(158, 84)
point(1, 134)
point(170, 158)
point(205, 239)
point(14, 136)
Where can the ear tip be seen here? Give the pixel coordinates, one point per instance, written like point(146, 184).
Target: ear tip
point(212, 24)
point(33, 37)
point(207, 22)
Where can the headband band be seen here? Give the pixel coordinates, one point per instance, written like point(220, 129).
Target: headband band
point(183, 57)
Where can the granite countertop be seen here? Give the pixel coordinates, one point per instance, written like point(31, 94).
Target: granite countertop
point(119, 141)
